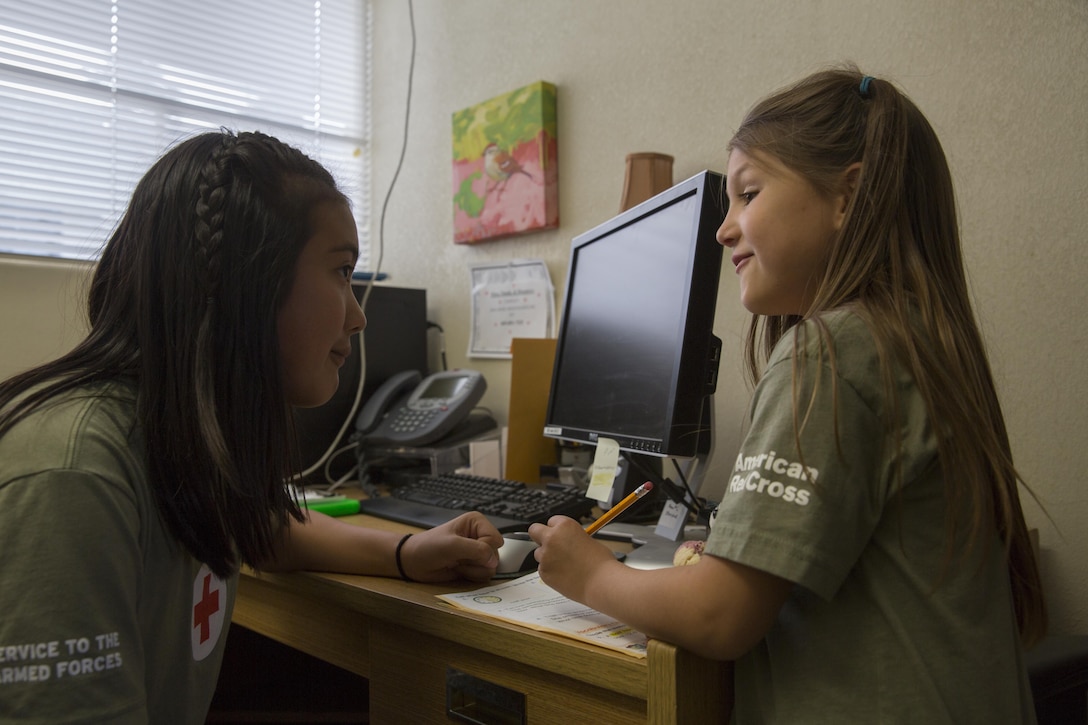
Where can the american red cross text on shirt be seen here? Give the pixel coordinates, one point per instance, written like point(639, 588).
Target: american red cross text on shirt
point(205, 608)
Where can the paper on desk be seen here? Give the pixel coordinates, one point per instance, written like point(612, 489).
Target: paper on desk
point(531, 603)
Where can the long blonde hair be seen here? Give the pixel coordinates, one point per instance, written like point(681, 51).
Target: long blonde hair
point(897, 261)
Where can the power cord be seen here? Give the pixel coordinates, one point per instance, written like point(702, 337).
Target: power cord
point(441, 342)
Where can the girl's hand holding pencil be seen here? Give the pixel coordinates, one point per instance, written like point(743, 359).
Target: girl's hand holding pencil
point(619, 508)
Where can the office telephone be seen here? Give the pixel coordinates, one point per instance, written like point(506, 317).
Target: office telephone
point(410, 410)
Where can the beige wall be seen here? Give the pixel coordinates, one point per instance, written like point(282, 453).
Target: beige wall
point(42, 310)
point(1004, 83)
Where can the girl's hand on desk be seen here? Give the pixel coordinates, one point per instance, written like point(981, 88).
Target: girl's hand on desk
point(464, 548)
point(568, 556)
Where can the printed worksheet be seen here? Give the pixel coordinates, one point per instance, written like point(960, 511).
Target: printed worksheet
point(531, 603)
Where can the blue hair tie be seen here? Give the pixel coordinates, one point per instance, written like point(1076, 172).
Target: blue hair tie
point(863, 89)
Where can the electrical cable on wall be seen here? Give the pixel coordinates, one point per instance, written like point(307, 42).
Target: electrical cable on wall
point(332, 451)
point(441, 342)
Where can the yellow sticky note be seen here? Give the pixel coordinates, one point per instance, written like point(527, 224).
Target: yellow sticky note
point(603, 472)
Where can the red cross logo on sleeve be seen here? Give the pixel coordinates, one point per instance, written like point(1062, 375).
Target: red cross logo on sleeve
point(209, 604)
point(205, 608)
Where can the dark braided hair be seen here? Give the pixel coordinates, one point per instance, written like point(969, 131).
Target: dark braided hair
point(213, 188)
point(183, 303)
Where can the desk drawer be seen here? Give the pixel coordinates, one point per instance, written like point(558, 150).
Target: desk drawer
point(408, 684)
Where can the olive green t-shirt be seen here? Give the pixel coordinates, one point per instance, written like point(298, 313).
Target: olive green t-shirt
point(104, 618)
point(875, 630)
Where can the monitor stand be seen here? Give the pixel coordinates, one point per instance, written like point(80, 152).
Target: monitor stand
point(674, 517)
point(654, 548)
point(649, 551)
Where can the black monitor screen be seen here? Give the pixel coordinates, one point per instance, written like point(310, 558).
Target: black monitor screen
point(636, 355)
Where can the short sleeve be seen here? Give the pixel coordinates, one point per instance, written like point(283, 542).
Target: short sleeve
point(71, 563)
point(806, 492)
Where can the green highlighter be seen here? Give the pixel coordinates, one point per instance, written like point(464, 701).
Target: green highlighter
point(334, 506)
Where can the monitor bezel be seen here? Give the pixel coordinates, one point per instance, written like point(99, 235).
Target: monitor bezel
point(686, 433)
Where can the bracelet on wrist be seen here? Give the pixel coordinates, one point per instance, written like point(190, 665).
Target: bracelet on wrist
point(400, 564)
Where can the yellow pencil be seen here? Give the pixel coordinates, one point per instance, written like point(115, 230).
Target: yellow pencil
point(619, 508)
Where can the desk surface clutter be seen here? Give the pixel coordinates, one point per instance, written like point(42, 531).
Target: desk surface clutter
point(381, 628)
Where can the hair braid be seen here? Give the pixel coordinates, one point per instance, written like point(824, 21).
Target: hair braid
point(214, 188)
point(215, 179)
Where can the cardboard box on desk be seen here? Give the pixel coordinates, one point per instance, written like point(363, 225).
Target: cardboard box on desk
point(530, 384)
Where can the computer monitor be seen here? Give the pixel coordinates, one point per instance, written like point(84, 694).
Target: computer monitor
point(636, 356)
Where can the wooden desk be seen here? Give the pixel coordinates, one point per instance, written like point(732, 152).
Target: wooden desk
point(404, 640)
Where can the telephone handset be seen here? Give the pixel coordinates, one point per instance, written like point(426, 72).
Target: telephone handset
point(409, 410)
point(393, 390)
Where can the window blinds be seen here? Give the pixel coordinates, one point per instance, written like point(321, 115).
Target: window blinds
point(93, 91)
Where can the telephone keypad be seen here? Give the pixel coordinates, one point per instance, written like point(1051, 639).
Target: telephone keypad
point(409, 420)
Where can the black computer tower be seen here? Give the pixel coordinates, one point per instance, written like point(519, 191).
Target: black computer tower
point(396, 339)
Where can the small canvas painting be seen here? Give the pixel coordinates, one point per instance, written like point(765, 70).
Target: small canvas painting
point(505, 166)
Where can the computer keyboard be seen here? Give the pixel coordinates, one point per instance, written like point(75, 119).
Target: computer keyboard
point(429, 501)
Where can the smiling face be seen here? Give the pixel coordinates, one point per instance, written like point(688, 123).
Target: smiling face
point(321, 314)
point(779, 228)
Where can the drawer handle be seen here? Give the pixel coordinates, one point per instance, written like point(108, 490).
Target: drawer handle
point(471, 699)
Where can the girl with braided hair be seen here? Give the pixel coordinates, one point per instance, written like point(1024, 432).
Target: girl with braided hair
point(869, 560)
point(139, 471)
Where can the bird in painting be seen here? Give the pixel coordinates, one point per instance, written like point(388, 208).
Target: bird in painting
point(500, 165)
